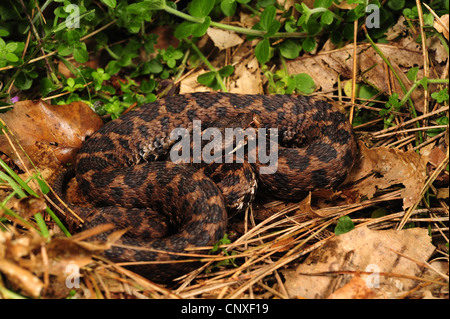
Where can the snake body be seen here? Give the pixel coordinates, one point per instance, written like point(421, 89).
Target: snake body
point(124, 171)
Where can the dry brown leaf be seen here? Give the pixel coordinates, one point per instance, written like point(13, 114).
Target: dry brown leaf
point(326, 67)
point(382, 167)
point(362, 250)
point(64, 252)
point(305, 206)
point(444, 29)
point(398, 29)
point(248, 20)
point(442, 193)
point(29, 206)
point(246, 78)
point(66, 72)
point(437, 155)
point(190, 84)
point(48, 133)
point(224, 39)
point(436, 49)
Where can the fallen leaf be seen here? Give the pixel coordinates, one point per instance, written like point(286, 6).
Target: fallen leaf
point(58, 131)
point(246, 78)
point(29, 206)
point(442, 193)
point(64, 252)
point(437, 50)
point(444, 29)
point(67, 73)
point(398, 29)
point(190, 84)
point(382, 167)
point(362, 250)
point(224, 39)
point(327, 67)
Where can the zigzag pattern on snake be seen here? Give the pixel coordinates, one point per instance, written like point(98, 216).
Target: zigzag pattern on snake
point(123, 170)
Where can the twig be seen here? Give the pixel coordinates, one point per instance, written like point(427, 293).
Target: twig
point(442, 109)
point(412, 130)
point(425, 55)
point(355, 36)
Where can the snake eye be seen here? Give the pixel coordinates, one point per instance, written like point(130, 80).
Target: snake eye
point(53, 143)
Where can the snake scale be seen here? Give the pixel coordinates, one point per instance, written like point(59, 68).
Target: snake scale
point(124, 172)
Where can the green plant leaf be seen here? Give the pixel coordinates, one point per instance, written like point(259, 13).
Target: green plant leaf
point(110, 3)
point(344, 225)
point(290, 49)
point(228, 7)
point(424, 82)
point(11, 46)
point(11, 57)
point(80, 53)
point(46, 86)
point(72, 37)
point(200, 29)
point(262, 51)
point(440, 96)
point(153, 66)
point(309, 44)
point(412, 74)
point(428, 19)
point(435, 131)
point(43, 185)
point(23, 82)
point(200, 8)
point(207, 78)
point(274, 27)
point(304, 83)
point(312, 27)
point(396, 4)
point(112, 67)
point(65, 49)
point(323, 3)
point(267, 17)
point(227, 70)
point(184, 30)
point(148, 86)
point(327, 18)
point(210, 79)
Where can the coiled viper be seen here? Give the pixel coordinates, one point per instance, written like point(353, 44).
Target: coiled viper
point(123, 171)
